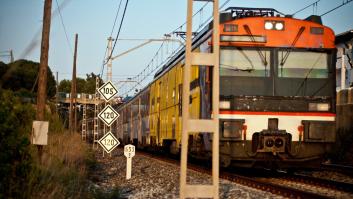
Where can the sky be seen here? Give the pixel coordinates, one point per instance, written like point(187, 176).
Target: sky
point(92, 20)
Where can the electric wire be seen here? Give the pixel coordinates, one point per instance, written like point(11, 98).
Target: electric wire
point(343, 3)
point(35, 41)
point(116, 17)
point(312, 4)
point(163, 62)
point(111, 33)
point(117, 35)
point(63, 24)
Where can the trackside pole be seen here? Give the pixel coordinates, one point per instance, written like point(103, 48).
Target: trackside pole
point(128, 168)
point(200, 125)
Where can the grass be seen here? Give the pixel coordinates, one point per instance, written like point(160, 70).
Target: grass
point(63, 169)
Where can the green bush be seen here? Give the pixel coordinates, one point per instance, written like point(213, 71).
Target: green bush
point(15, 155)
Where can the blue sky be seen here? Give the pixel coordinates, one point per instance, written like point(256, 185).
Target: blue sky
point(20, 20)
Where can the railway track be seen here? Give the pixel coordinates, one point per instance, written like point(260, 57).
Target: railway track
point(291, 186)
point(322, 188)
point(347, 170)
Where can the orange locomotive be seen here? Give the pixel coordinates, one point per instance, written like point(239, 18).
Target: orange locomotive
point(277, 93)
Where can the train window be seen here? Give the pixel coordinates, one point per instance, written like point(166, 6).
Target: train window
point(180, 94)
point(241, 62)
point(232, 129)
point(303, 64)
point(173, 95)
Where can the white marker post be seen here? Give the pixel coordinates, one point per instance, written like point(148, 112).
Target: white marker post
point(129, 152)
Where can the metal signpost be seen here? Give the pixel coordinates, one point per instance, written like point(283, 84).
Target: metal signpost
point(129, 152)
point(108, 115)
point(109, 142)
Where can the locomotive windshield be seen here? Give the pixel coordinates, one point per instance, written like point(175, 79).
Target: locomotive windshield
point(302, 64)
point(241, 62)
point(276, 72)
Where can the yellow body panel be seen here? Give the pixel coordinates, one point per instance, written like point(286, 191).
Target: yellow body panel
point(166, 91)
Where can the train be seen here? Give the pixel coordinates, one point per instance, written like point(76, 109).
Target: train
point(277, 94)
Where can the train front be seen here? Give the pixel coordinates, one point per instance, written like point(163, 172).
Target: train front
point(277, 87)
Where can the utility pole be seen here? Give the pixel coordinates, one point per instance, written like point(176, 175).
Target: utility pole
point(43, 67)
point(57, 92)
point(72, 111)
point(11, 56)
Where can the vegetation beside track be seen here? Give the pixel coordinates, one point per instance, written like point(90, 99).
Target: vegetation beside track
point(63, 169)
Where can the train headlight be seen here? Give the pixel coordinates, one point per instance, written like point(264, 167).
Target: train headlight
point(224, 104)
point(274, 25)
point(279, 26)
point(269, 142)
point(319, 106)
point(268, 25)
point(279, 142)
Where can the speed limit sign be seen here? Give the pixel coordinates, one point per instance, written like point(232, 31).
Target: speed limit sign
point(109, 142)
point(108, 115)
point(108, 91)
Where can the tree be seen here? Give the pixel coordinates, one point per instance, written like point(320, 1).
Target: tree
point(65, 86)
point(3, 68)
point(15, 155)
point(22, 75)
point(91, 82)
point(87, 85)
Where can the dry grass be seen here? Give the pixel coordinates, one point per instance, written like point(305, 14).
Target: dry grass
point(63, 170)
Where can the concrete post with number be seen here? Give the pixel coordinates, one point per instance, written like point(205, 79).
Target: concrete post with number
point(129, 152)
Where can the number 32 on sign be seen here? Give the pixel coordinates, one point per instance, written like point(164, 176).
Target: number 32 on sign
point(129, 152)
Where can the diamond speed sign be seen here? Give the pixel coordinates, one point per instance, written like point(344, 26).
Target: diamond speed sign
point(108, 115)
point(108, 142)
point(108, 91)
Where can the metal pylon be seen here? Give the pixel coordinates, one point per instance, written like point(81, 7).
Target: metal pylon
point(84, 122)
point(96, 120)
point(200, 125)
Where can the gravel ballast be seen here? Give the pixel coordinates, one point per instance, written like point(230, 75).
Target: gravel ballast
point(152, 178)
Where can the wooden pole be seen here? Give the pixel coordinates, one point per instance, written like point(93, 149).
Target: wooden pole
point(43, 67)
point(72, 121)
point(57, 92)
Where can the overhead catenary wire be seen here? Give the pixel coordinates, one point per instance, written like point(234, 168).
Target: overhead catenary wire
point(149, 68)
point(117, 35)
point(111, 33)
point(116, 17)
point(300, 10)
point(343, 3)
